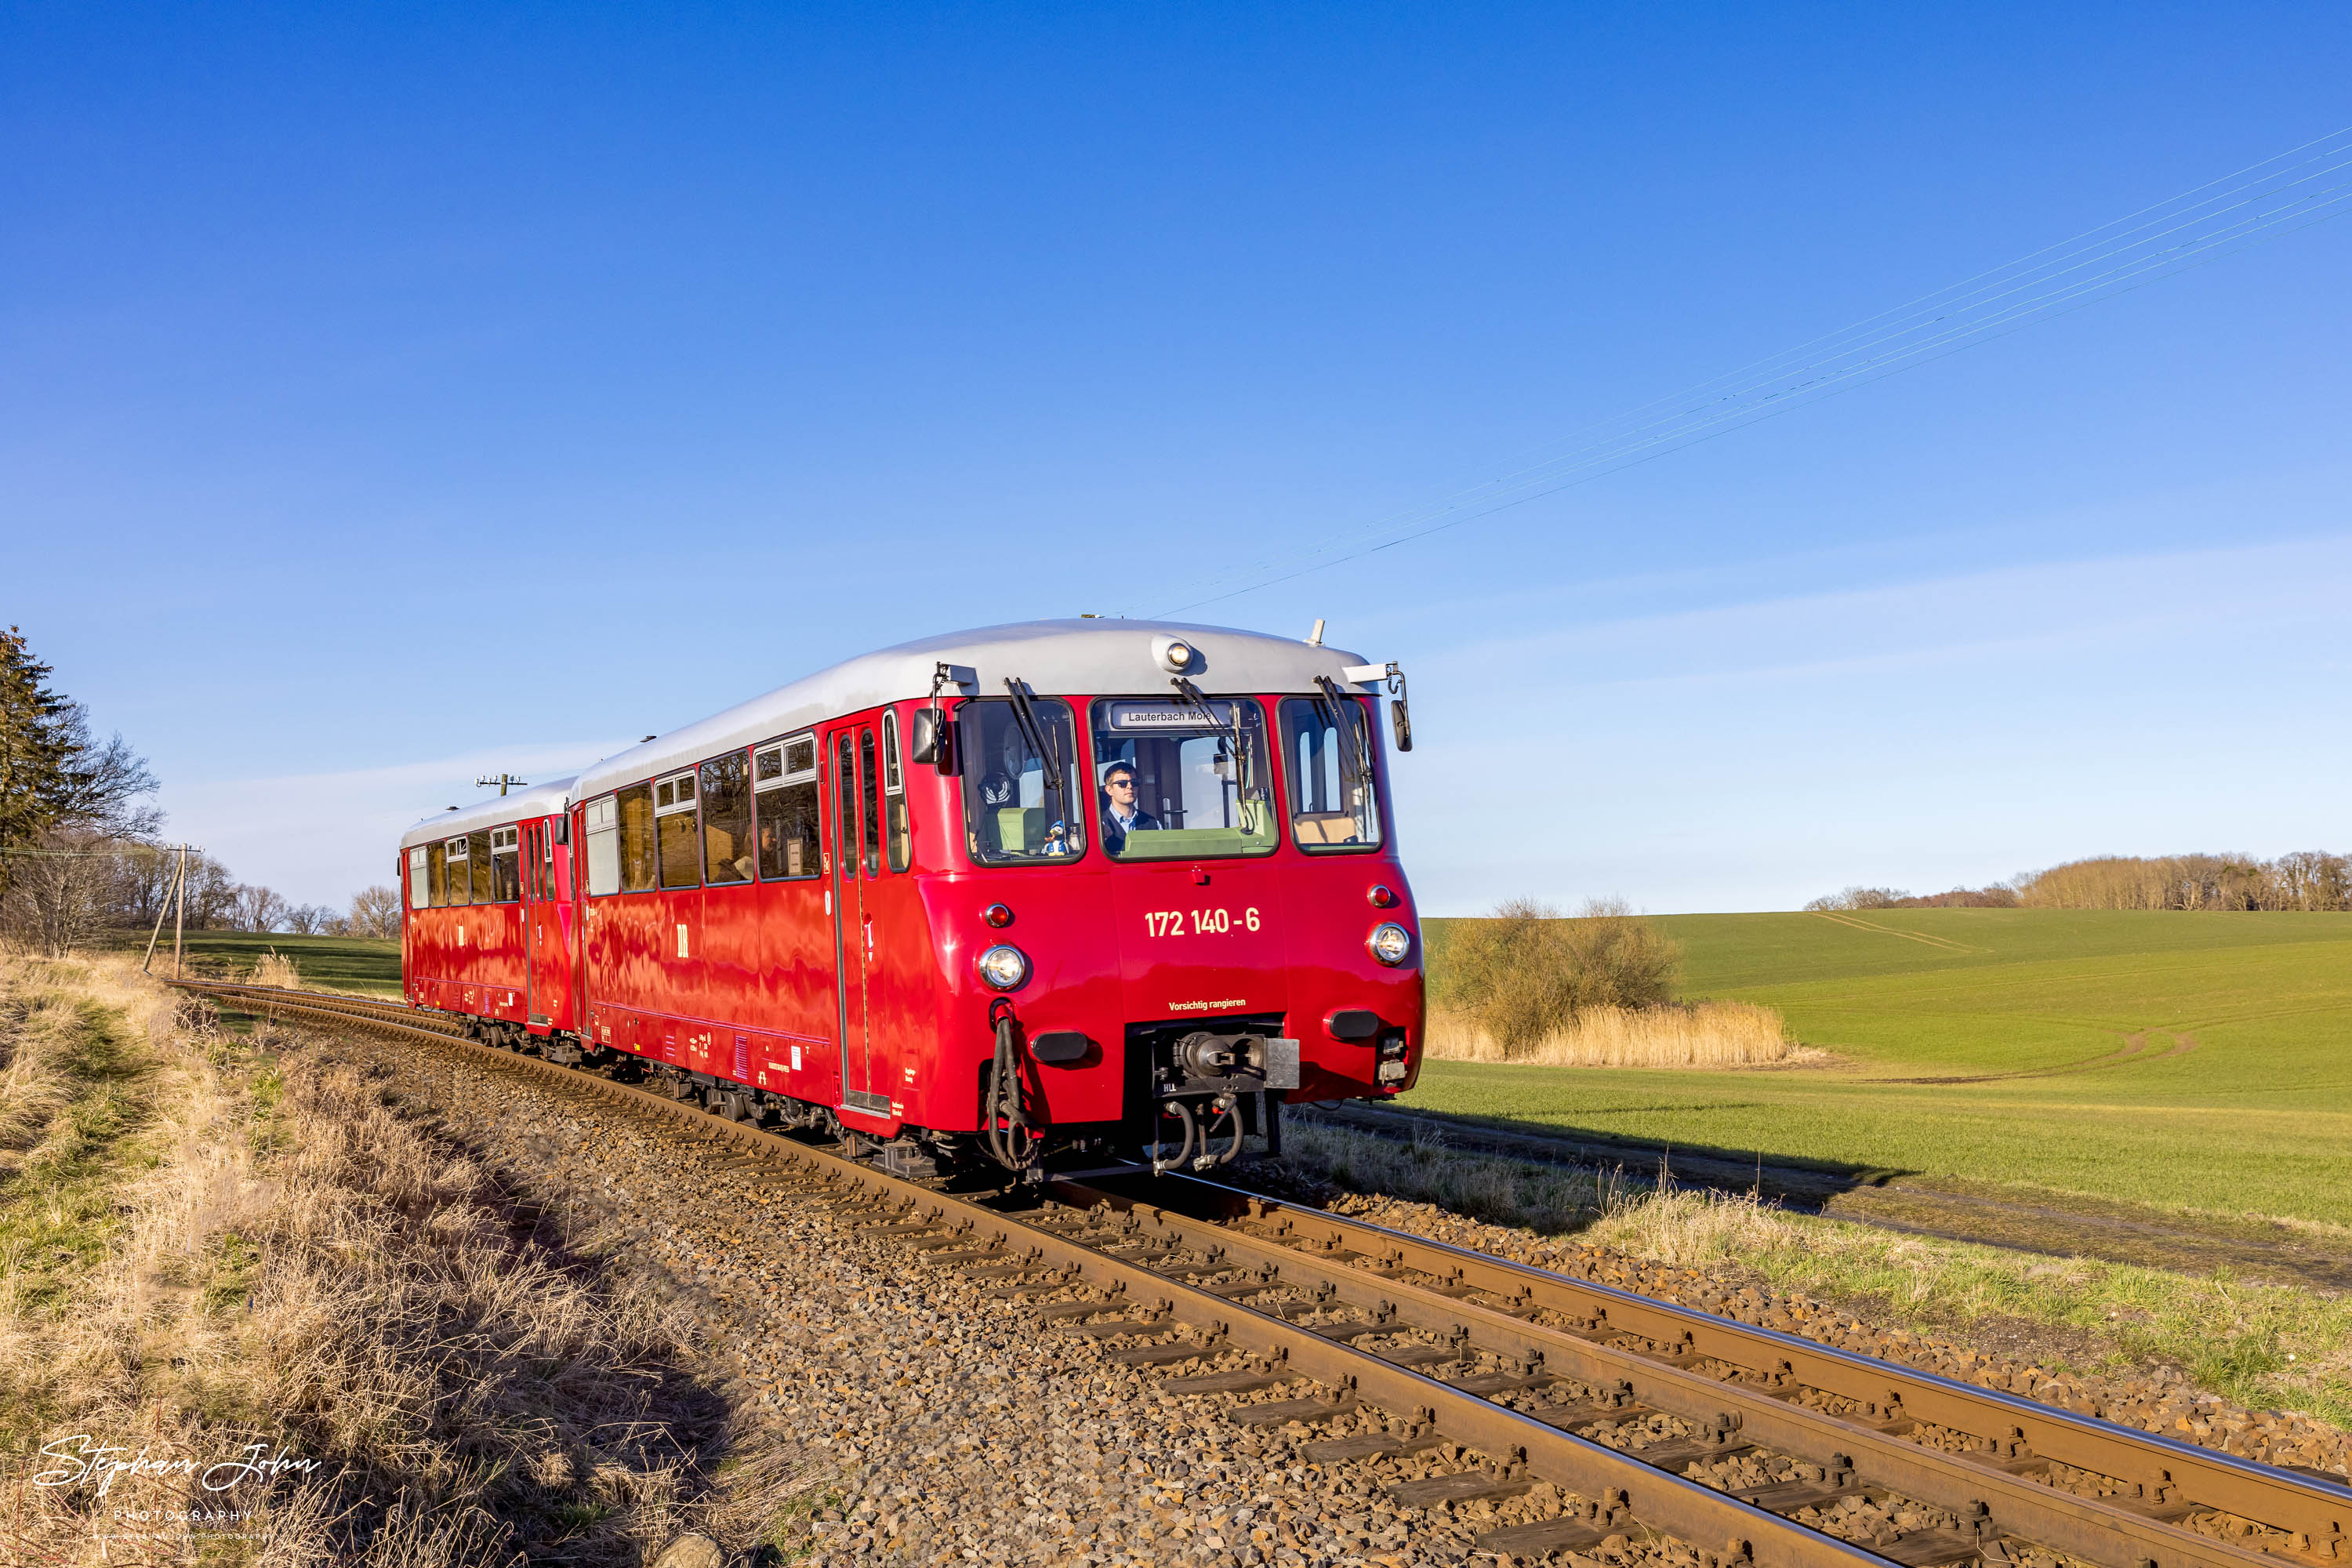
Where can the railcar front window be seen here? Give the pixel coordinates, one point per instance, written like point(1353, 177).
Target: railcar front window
point(727, 819)
point(1023, 801)
point(1181, 780)
point(1334, 803)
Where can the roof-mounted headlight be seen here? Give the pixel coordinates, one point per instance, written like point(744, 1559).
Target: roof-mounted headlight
point(1178, 656)
point(1390, 942)
point(1004, 966)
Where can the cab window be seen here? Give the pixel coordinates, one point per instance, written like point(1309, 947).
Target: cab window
point(1023, 797)
point(1178, 779)
point(894, 793)
point(1327, 749)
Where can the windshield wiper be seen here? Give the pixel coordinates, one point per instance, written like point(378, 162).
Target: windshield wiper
point(1356, 760)
point(1026, 716)
point(1190, 695)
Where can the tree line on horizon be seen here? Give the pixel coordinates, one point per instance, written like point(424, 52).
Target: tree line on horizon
point(80, 845)
point(2305, 880)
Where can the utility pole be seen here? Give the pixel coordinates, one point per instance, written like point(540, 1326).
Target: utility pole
point(169, 893)
point(180, 913)
point(502, 780)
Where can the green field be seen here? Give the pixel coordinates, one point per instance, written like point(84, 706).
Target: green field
point(336, 962)
point(2184, 1060)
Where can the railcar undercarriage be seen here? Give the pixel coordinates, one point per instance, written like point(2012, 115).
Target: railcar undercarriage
point(1197, 1092)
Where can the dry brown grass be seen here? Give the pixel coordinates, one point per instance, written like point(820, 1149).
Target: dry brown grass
point(1676, 1035)
point(274, 1256)
point(274, 968)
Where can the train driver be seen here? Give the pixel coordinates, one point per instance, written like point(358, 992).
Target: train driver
point(1121, 814)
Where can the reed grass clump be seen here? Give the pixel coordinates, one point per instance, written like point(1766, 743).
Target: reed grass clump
point(277, 969)
point(1673, 1034)
point(1529, 984)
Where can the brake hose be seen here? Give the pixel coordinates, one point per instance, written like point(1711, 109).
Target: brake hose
point(1191, 1133)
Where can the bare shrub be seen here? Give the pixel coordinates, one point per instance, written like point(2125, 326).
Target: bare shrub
point(1520, 976)
point(1675, 1035)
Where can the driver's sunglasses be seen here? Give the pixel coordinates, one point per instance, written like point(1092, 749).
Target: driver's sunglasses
point(1122, 782)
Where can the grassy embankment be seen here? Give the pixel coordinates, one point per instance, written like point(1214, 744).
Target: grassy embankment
point(210, 1240)
point(326, 963)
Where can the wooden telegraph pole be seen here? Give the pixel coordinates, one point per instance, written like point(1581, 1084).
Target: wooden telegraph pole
point(154, 935)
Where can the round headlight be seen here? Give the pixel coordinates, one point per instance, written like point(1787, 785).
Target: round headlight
point(1004, 967)
point(1179, 654)
point(1390, 942)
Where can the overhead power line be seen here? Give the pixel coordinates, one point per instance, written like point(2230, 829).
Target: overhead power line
point(2263, 201)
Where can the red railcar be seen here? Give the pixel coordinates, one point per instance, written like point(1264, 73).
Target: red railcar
point(1104, 884)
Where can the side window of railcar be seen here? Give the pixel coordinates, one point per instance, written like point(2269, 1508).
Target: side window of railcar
point(437, 872)
point(1176, 780)
point(420, 880)
point(479, 853)
point(681, 857)
point(784, 778)
point(727, 819)
point(604, 836)
point(506, 866)
point(636, 804)
point(894, 792)
point(1015, 814)
point(1328, 752)
point(461, 879)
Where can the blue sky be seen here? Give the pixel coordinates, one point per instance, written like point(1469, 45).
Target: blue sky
point(388, 395)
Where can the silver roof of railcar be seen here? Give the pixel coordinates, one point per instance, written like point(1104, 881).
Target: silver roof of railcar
point(546, 799)
point(1056, 657)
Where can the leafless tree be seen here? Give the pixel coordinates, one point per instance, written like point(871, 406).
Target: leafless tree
point(56, 894)
point(258, 910)
point(376, 911)
point(306, 920)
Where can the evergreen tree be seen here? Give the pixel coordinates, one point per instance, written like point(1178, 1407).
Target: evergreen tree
point(36, 745)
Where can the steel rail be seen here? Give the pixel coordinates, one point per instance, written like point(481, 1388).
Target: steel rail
point(1371, 1268)
point(1306, 1248)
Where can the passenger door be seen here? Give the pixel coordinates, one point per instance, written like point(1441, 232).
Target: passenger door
point(853, 927)
point(549, 970)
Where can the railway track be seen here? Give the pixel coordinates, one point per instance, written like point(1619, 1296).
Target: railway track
point(1644, 1418)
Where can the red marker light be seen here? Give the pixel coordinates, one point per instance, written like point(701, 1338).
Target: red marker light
point(997, 915)
point(1381, 897)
